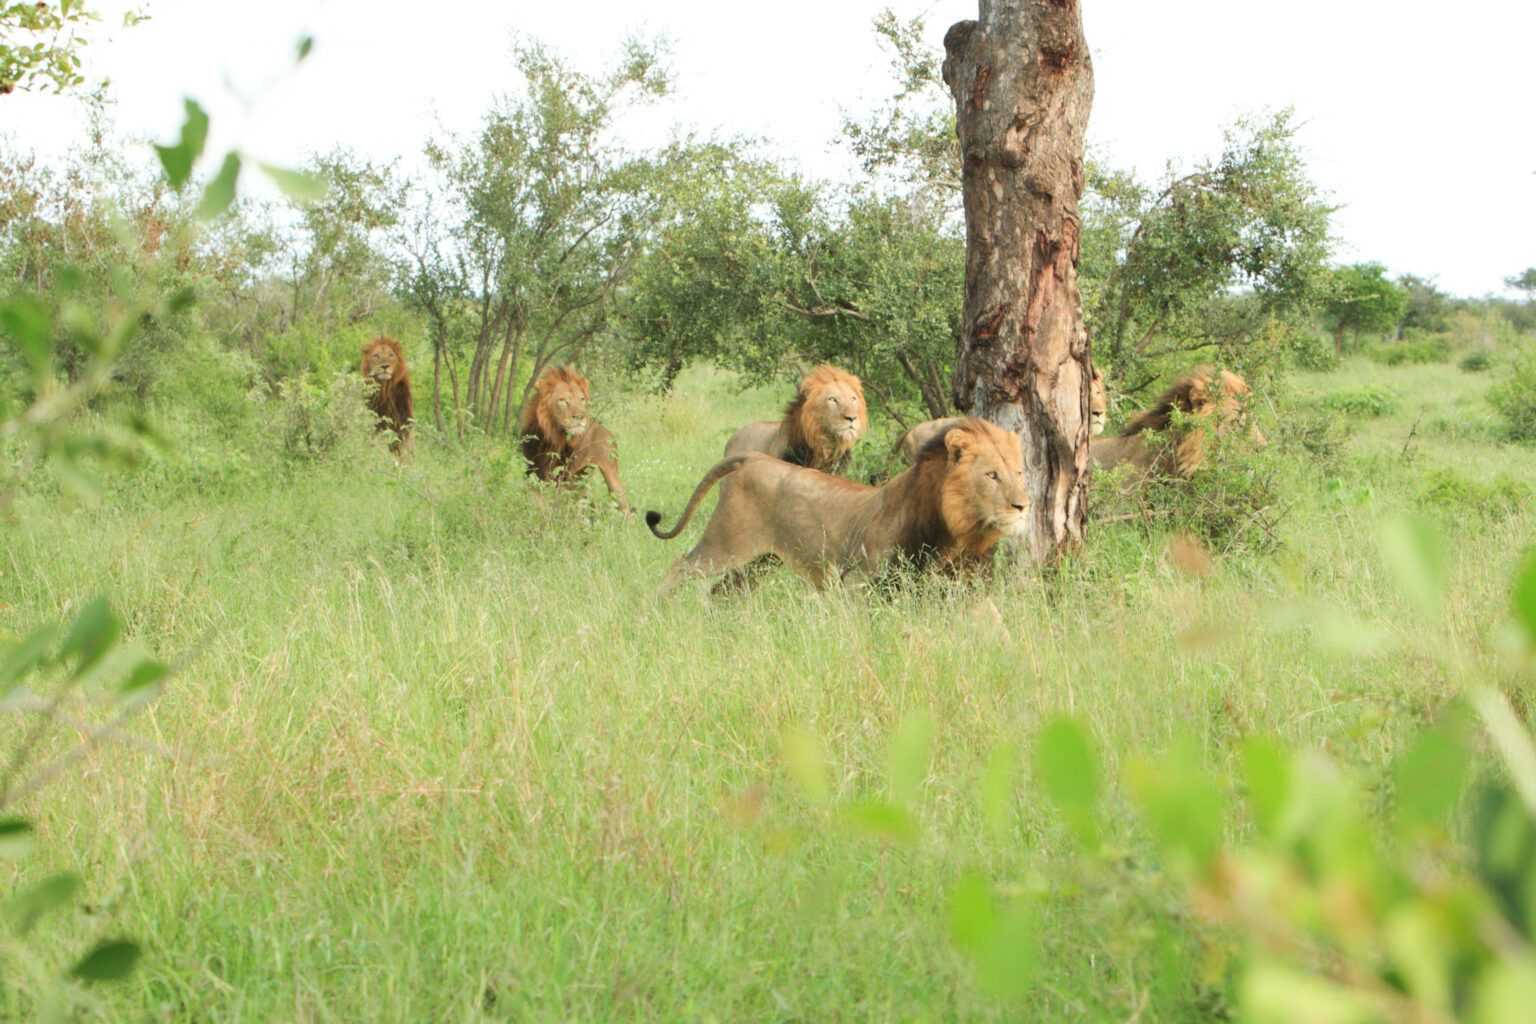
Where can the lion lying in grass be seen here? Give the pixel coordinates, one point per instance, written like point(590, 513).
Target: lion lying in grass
point(964, 494)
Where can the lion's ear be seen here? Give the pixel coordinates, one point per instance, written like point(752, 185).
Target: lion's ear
point(957, 441)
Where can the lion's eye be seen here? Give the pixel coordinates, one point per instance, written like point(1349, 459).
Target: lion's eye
point(993, 476)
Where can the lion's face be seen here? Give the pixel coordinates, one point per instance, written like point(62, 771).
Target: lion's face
point(381, 362)
point(1098, 404)
point(985, 484)
point(1224, 401)
point(567, 405)
point(836, 407)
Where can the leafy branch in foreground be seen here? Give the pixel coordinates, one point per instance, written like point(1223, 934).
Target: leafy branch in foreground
point(40, 43)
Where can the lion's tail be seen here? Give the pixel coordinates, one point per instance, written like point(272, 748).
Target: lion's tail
point(723, 468)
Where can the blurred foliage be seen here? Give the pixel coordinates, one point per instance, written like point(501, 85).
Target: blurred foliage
point(41, 43)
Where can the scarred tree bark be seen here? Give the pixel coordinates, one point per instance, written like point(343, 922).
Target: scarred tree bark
point(1023, 84)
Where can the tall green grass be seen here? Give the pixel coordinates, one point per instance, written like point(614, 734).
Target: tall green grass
point(435, 753)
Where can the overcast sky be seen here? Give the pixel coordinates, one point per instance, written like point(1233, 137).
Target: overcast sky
point(1417, 115)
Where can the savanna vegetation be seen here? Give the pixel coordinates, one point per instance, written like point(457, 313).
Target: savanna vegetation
point(300, 729)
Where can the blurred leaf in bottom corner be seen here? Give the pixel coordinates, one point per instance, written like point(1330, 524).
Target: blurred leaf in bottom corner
point(998, 939)
point(1278, 995)
point(1506, 994)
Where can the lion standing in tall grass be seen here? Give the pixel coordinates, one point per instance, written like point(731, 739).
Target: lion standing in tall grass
point(949, 511)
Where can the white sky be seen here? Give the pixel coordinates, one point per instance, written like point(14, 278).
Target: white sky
point(1418, 116)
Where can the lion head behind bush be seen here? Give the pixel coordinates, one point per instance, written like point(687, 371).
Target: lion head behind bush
point(1206, 398)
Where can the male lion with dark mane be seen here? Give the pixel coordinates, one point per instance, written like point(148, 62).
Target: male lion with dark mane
point(559, 440)
point(821, 424)
point(949, 511)
point(1211, 399)
point(384, 365)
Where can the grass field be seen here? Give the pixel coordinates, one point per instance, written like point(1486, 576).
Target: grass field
point(432, 753)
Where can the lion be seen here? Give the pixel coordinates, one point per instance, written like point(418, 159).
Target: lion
point(949, 511)
point(821, 424)
point(910, 443)
point(1192, 394)
point(384, 365)
point(560, 441)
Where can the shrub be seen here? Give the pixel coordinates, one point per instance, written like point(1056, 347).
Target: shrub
point(1366, 402)
point(316, 419)
point(1312, 351)
point(1447, 490)
point(1476, 362)
point(1514, 398)
point(1415, 349)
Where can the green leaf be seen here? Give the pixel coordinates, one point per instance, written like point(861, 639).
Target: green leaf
point(907, 758)
point(1184, 806)
point(16, 837)
point(1429, 777)
point(1272, 994)
point(305, 45)
point(178, 160)
point(181, 299)
point(111, 960)
point(1000, 941)
point(219, 194)
point(143, 683)
point(1419, 947)
point(1069, 773)
point(28, 322)
point(1267, 774)
point(300, 186)
point(91, 635)
point(1524, 597)
point(880, 820)
point(1512, 741)
point(25, 656)
point(1413, 553)
point(1506, 993)
point(48, 895)
point(972, 912)
point(807, 764)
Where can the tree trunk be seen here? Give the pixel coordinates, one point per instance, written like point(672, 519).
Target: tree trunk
point(1023, 84)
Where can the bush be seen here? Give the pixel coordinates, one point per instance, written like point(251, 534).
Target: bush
point(1415, 349)
point(1233, 502)
point(1514, 398)
point(1447, 490)
point(1366, 402)
point(1476, 362)
point(316, 420)
point(1312, 351)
